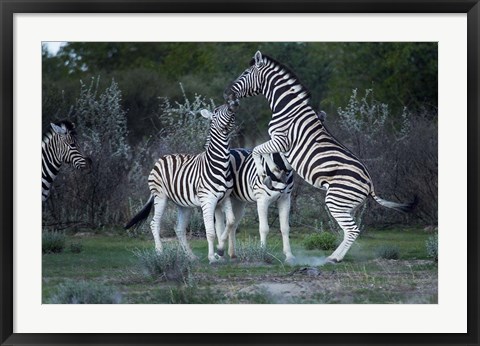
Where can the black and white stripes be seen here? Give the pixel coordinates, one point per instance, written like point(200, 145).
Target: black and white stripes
point(59, 145)
point(297, 131)
point(249, 188)
point(189, 181)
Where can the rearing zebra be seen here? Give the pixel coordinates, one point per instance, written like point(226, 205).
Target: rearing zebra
point(297, 132)
point(59, 145)
point(190, 181)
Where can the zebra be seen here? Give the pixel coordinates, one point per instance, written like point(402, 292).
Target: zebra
point(298, 132)
point(59, 145)
point(248, 188)
point(202, 180)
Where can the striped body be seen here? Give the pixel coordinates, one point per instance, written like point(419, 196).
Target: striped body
point(298, 132)
point(202, 180)
point(59, 145)
point(188, 179)
point(248, 188)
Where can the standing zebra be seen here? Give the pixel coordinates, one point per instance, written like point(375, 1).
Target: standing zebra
point(59, 145)
point(297, 131)
point(190, 181)
point(248, 188)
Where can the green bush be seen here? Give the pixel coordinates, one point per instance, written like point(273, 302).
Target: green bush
point(432, 247)
point(76, 247)
point(173, 264)
point(251, 251)
point(191, 294)
point(321, 241)
point(84, 292)
point(53, 242)
point(388, 252)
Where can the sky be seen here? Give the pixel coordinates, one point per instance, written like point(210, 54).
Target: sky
point(53, 47)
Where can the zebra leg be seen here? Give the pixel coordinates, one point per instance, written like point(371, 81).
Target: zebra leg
point(285, 162)
point(284, 216)
point(208, 210)
point(183, 219)
point(159, 204)
point(276, 145)
point(219, 221)
point(263, 228)
point(350, 230)
point(238, 211)
point(220, 229)
point(227, 210)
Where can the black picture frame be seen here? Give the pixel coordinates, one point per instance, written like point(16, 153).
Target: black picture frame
point(9, 7)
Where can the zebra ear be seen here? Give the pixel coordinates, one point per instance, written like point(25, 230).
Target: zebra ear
point(258, 59)
point(58, 129)
point(206, 114)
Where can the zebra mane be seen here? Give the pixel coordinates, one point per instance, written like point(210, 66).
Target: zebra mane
point(288, 70)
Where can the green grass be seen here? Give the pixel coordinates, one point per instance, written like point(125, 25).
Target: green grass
point(360, 278)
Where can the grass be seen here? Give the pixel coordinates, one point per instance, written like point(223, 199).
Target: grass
point(360, 278)
point(53, 242)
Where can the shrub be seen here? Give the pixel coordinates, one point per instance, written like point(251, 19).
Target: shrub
point(388, 252)
point(191, 294)
point(173, 264)
point(84, 292)
point(432, 247)
point(251, 251)
point(93, 199)
point(321, 241)
point(76, 247)
point(387, 143)
point(53, 242)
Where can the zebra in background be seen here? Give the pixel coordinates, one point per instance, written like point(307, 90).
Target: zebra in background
point(298, 132)
point(202, 180)
point(248, 188)
point(59, 145)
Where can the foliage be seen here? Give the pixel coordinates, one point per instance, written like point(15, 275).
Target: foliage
point(432, 247)
point(136, 112)
point(53, 242)
point(401, 73)
point(388, 146)
point(181, 128)
point(251, 251)
point(76, 247)
point(92, 199)
point(172, 264)
point(358, 279)
point(85, 292)
point(390, 252)
point(192, 294)
point(321, 241)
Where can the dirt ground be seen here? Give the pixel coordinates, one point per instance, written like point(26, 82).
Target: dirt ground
point(375, 281)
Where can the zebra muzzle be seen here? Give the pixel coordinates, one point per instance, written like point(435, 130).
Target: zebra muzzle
point(88, 165)
point(228, 94)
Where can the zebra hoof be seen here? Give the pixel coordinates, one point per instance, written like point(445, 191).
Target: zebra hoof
point(290, 261)
point(332, 260)
point(220, 252)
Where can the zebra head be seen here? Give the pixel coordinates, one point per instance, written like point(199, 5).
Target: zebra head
point(65, 148)
point(249, 83)
point(223, 117)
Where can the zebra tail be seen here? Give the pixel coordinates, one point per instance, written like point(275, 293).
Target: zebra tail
point(142, 215)
point(403, 207)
